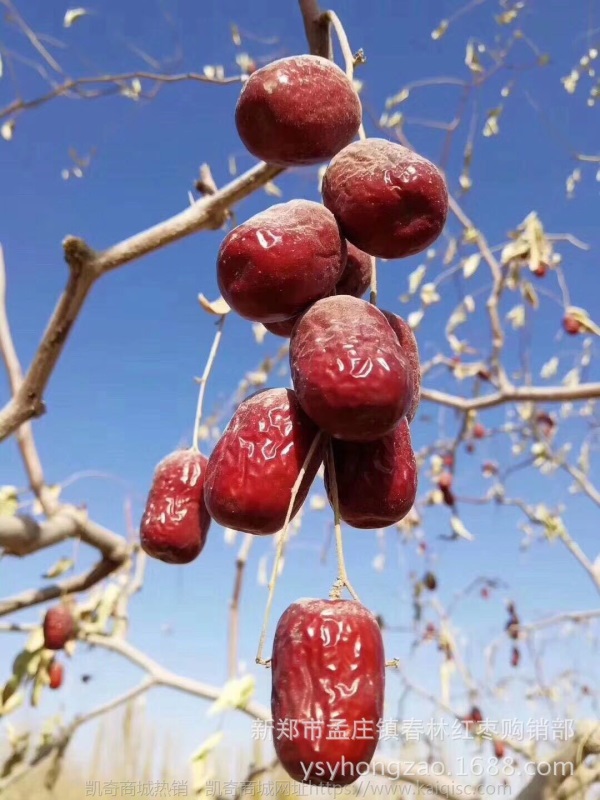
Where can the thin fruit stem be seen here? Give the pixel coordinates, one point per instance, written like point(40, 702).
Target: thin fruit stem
point(279, 552)
point(373, 297)
point(204, 379)
point(342, 579)
point(350, 60)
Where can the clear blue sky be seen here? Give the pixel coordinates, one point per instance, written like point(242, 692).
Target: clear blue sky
point(124, 395)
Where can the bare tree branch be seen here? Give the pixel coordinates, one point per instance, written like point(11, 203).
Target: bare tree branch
point(316, 27)
point(87, 266)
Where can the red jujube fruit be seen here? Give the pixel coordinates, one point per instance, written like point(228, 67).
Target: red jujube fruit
point(59, 627)
point(175, 523)
point(389, 201)
point(348, 369)
point(55, 674)
point(376, 481)
point(278, 262)
point(297, 110)
point(256, 462)
point(328, 685)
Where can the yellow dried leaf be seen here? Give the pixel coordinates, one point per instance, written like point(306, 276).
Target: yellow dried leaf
point(550, 368)
point(416, 278)
point(415, 318)
point(459, 529)
point(472, 59)
point(7, 130)
point(471, 264)
point(516, 316)
point(9, 501)
point(73, 15)
point(440, 30)
point(491, 126)
point(217, 307)
point(236, 693)
point(59, 568)
point(429, 294)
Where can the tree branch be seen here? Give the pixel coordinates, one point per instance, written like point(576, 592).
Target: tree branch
point(87, 266)
point(316, 27)
point(516, 394)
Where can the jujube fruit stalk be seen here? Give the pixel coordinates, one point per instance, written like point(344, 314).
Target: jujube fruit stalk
point(389, 201)
point(274, 265)
point(297, 111)
point(55, 674)
point(376, 481)
point(59, 627)
point(328, 685)
point(256, 462)
point(175, 522)
point(348, 369)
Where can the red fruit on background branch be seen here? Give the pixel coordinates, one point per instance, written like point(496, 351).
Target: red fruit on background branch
point(499, 749)
point(390, 202)
point(445, 486)
point(59, 627)
point(278, 262)
point(298, 110)
point(253, 468)
point(478, 431)
point(328, 673)
point(56, 673)
point(410, 348)
point(376, 481)
point(571, 325)
point(175, 522)
point(356, 277)
point(348, 369)
point(515, 657)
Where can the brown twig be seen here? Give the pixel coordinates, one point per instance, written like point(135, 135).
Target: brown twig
point(234, 605)
point(316, 27)
point(86, 266)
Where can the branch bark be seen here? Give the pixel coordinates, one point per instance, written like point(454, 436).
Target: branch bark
point(87, 266)
point(316, 27)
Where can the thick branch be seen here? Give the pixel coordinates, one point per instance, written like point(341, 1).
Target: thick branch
point(87, 266)
point(79, 583)
point(316, 27)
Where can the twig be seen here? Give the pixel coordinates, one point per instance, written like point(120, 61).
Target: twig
point(74, 84)
point(234, 606)
point(280, 546)
point(342, 580)
point(87, 266)
point(204, 380)
point(517, 394)
point(316, 27)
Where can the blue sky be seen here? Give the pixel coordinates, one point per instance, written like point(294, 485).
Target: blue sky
point(124, 395)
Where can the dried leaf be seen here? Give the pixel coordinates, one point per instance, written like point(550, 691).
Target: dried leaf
point(471, 264)
point(550, 368)
point(272, 189)
point(263, 577)
point(414, 319)
point(8, 129)
point(459, 529)
point(472, 59)
point(530, 294)
point(12, 703)
point(73, 15)
point(235, 34)
point(415, 278)
point(429, 294)
point(440, 30)
point(56, 570)
point(491, 126)
point(378, 562)
point(217, 307)
point(236, 693)
point(9, 501)
point(516, 316)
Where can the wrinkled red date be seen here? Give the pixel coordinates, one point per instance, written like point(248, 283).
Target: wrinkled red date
point(328, 685)
point(253, 469)
point(376, 481)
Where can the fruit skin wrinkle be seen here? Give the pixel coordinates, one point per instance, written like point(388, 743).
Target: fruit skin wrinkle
point(328, 664)
point(348, 369)
point(254, 466)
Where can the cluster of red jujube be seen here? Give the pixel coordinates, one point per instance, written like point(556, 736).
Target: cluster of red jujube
point(301, 268)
